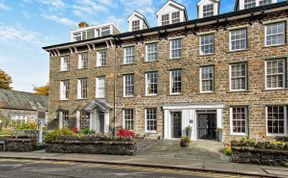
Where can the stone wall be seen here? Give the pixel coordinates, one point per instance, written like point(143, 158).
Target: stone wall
point(92, 147)
point(273, 156)
point(256, 98)
point(20, 144)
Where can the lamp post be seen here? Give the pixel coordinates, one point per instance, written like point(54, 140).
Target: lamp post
point(0, 124)
point(41, 116)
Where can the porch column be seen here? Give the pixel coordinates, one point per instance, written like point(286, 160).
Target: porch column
point(106, 122)
point(167, 124)
point(78, 119)
point(91, 121)
point(219, 118)
point(60, 120)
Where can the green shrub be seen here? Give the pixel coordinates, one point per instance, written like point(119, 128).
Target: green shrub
point(51, 136)
point(185, 139)
point(28, 126)
point(87, 131)
point(228, 150)
point(6, 132)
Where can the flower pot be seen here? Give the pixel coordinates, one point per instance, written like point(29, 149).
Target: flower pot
point(184, 144)
point(189, 133)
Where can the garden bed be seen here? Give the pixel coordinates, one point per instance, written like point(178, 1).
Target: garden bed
point(264, 153)
point(65, 141)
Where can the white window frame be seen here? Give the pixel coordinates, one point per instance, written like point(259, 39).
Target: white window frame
point(171, 82)
point(151, 52)
point(80, 89)
point(64, 89)
point(213, 79)
point(285, 121)
point(284, 34)
point(165, 21)
point(246, 121)
point(130, 55)
point(178, 48)
point(246, 77)
point(147, 84)
point(80, 61)
point(284, 75)
point(146, 121)
point(135, 24)
point(100, 90)
point(230, 39)
point(202, 45)
point(249, 4)
point(124, 120)
point(208, 12)
point(101, 58)
point(132, 85)
point(177, 19)
point(65, 63)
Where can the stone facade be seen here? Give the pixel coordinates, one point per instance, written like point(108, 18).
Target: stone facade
point(256, 98)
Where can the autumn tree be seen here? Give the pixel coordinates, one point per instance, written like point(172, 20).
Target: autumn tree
point(5, 80)
point(42, 90)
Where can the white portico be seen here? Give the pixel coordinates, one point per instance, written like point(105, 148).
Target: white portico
point(203, 118)
point(99, 116)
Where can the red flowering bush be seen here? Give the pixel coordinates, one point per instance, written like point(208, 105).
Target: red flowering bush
point(125, 133)
point(75, 130)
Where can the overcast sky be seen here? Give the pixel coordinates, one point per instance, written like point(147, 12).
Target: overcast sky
point(28, 25)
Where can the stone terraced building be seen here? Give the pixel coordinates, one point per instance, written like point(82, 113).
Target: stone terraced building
point(225, 72)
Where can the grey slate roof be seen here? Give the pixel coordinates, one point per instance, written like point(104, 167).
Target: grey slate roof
point(19, 100)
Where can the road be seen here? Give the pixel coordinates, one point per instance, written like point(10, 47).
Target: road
point(49, 169)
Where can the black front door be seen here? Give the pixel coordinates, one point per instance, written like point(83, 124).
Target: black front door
point(206, 126)
point(176, 124)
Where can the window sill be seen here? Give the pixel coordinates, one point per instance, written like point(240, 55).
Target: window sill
point(147, 62)
point(271, 46)
point(240, 50)
point(175, 94)
point(128, 64)
point(178, 58)
point(206, 55)
point(82, 69)
point(238, 91)
point(100, 98)
point(275, 89)
point(64, 71)
point(128, 96)
point(276, 135)
point(150, 132)
point(151, 95)
point(210, 92)
point(100, 66)
point(79, 99)
point(64, 100)
point(238, 134)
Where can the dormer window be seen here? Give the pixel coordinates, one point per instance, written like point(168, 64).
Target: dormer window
point(105, 31)
point(137, 21)
point(265, 2)
point(165, 19)
point(249, 4)
point(135, 25)
point(172, 12)
point(208, 10)
point(175, 17)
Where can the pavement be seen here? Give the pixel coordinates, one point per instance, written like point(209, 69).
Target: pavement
point(167, 163)
point(202, 156)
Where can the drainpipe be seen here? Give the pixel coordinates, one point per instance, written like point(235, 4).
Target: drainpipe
point(115, 81)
